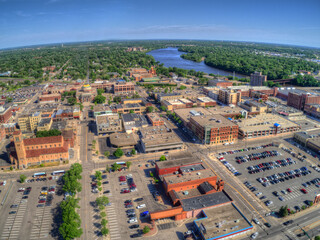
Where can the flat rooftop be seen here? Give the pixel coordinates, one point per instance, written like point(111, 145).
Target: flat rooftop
point(264, 122)
point(155, 117)
point(178, 162)
point(204, 201)
point(189, 176)
point(214, 121)
point(123, 139)
point(222, 220)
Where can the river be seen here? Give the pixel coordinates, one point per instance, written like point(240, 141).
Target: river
point(170, 57)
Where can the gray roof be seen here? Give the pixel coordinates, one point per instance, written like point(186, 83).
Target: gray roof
point(204, 201)
point(205, 187)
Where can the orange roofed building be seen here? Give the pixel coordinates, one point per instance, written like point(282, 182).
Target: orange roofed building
point(191, 187)
point(34, 151)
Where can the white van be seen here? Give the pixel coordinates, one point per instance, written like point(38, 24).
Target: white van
point(141, 206)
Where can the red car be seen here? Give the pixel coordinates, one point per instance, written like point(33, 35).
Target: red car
point(289, 190)
point(304, 191)
point(122, 178)
point(42, 201)
point(125, 191)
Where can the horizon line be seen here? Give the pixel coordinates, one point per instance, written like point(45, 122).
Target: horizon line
point(151, 39)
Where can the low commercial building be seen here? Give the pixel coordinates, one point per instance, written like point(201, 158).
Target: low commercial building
point(312, 109)
point(219, 82)
point(133, 122)
point(171, 166)
point(101, 109)
point(44, 124)
point(123, 140)
point(309, 139)
point(213, 129)
point(156, 139)
point(108, 124)
point(288, 112)
point(228, 217)
point(155, 119)
point(5, 114)
point(177, 104)
point(128, 108)
point(121, 87)
point(168, 96)
point(265, 125)
point(254, 106)
point(34, 151)
point(49, 98)
point(206, 102)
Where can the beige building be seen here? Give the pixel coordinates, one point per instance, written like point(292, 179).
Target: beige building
point(257, 79)
point(108, 123)
point(228, 96)
point(29, 122)
point(44, 124)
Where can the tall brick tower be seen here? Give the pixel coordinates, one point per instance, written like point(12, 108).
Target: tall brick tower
point(19, 146)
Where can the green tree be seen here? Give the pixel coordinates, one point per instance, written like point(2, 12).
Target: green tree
point(133, 152)
point(163, 108)
point(118, 153)
point(128, 164)
point(150, 109)
point(104, 222)
point(104, 231)
point(99, 99)
point(72, 100)
point(91, 107)
point(146, 229)
point(101, 208)
point(49, 133)
point(283, 212)
point(103, 214)
point(317, 238)
point(99, 183)
point(97, 152)
point(106, 154)
point(9, 99)
point(23, 178)
point(117, 99)
point(182, 87)
point(131, 111)
point(100, 91)
point(100, 189)
point(98, 175)
point(162, 158)
point(115, 167)
point(101, 201)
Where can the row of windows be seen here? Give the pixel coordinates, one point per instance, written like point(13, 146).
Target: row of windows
point(46, 146)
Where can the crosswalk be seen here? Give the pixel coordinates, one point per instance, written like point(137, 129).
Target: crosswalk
point(296, 192)
point(41, 225)
point(13, 224)
point(113, 222)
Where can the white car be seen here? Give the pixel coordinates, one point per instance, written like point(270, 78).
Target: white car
point(141, 206)
point(256, 221)
point(255, 235)
point(133, 220)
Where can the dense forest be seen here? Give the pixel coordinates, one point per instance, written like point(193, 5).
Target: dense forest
point(105, 59)
point(247, 58)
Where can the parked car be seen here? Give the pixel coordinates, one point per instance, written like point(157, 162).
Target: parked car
point(141, 206)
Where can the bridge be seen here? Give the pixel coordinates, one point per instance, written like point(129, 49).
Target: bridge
point(282, 81)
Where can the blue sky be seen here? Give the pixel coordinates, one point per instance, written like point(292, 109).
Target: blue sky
point(31, 22)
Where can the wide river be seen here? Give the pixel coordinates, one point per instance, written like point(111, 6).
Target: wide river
point(170, 57)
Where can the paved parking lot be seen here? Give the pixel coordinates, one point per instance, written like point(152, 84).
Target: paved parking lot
point(28, 221)
point(294, 198)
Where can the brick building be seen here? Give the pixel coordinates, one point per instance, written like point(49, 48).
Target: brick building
point(257, 79)
point(121, 87)
point(49, 98)
point(214, 129)
point(5, 114)
point(34, 151)
point(155, 119)
point(299, 98)
point(220, 83)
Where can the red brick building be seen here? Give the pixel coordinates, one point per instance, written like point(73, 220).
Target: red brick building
point(220, 83)
point(155, 119)
point(123, 88)
point(214, 129)
point(298, 99)
point(5, 114)
point(34, 151)
point(50, 98)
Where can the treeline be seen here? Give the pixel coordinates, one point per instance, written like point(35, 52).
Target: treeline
point(71, 225)
point(306, 81)
point(243, 59)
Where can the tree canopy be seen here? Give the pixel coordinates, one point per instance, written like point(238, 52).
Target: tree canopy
point(49, 133)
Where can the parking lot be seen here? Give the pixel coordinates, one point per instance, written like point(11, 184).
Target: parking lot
point(23, 216)
point(275, 176)
point(124, 206)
